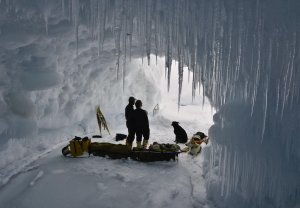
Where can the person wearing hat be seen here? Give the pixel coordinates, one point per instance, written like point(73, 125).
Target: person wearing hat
point(141, 125)
point(129, 111)
point(181, 136)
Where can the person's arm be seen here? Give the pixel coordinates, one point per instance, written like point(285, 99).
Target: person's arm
point(147, 120)
point(126, 113)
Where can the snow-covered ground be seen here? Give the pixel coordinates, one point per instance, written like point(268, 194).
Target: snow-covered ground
point(49, 180)
point(59, 59)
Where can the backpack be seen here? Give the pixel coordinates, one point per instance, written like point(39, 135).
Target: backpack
point(77, 147)
point(201, 134)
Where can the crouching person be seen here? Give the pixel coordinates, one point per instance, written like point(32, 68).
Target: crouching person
point(141, 122)
point(194, 145)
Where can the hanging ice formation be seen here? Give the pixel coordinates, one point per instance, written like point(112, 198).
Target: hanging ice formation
point(246, 56)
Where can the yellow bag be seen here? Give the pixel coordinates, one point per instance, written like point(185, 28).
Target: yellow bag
point(85, 144)
point(77, 147)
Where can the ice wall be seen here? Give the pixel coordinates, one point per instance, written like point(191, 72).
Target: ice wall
point(244, 53)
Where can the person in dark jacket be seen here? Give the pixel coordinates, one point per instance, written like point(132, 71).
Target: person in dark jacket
point(129, 111)
point(141, 125)
point(181, 136)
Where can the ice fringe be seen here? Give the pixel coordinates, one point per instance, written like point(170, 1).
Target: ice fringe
point(245, 51)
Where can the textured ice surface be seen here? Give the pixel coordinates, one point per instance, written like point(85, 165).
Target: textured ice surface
point(244, 53)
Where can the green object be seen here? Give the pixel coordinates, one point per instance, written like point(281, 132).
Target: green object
point(145, 144)
point(117, 151)
point(164, 152)
point(139, 145)
point(156, 152)
point(152, 156)
point(113, 151)
point(156, 147)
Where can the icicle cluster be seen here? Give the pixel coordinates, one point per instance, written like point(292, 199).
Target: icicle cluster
point(239, 51)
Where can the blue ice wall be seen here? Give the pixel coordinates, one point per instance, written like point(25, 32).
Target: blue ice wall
point(245, 54)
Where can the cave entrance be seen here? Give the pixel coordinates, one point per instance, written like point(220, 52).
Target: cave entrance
point(149, 84)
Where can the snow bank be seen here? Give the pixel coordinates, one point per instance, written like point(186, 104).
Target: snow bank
point(245, 55)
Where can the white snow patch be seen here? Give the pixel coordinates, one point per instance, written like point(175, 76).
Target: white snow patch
point(58, 171)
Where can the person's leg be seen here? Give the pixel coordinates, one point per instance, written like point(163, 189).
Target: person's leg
point(139, 134)
point(130, 137)
point(146, 135)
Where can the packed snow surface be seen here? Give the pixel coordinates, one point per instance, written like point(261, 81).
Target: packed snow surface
point(52, 180)
point(61, 58)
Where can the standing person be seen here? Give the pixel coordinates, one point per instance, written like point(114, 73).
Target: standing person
point(181, 136)
point(129, 111)
point(141, 125)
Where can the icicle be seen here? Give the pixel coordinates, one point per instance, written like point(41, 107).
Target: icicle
point(46, 22)
point(124, 34)
point(156, 30)
point(117, 35)
point(130, 29)
point(265, 111)
point(63, 7)
point(75, 20)
point(193, 59)
point(224, 163)
point(102, 21)
point(180, 76)
point(168, 61)
point(148, 31)
point(117, 32)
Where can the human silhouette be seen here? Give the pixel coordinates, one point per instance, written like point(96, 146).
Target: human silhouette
point(129, 115)
point(141, 125)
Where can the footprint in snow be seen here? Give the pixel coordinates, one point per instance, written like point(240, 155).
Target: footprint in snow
point(37, 177)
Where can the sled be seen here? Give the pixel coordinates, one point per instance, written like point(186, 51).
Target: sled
point(113, 151)
point(119, 151)
point(79, 148)
point(153, 156)
point(156, 152)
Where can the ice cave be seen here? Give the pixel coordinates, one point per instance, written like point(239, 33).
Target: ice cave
point(237, 59)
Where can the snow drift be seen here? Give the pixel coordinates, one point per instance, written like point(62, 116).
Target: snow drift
point(245, 54)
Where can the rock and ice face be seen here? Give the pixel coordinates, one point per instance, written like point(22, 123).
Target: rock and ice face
point(244, 53)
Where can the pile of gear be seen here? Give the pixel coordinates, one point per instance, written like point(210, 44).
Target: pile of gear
point(194, 144)
point(138, 124)
point(82, 147)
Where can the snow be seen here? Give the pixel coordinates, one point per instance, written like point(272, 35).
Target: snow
point(51, 180)
point(64, 182)
point(59, 59)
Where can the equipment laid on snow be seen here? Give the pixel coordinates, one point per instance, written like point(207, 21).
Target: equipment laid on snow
point(120, 137)
point(194, 144)
point(156, 151)
point(96, 136)
point(113, 151)
point(164, 147)
point(101, 120)
point(77, 147)
point(200, 135)
point(152, 156)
